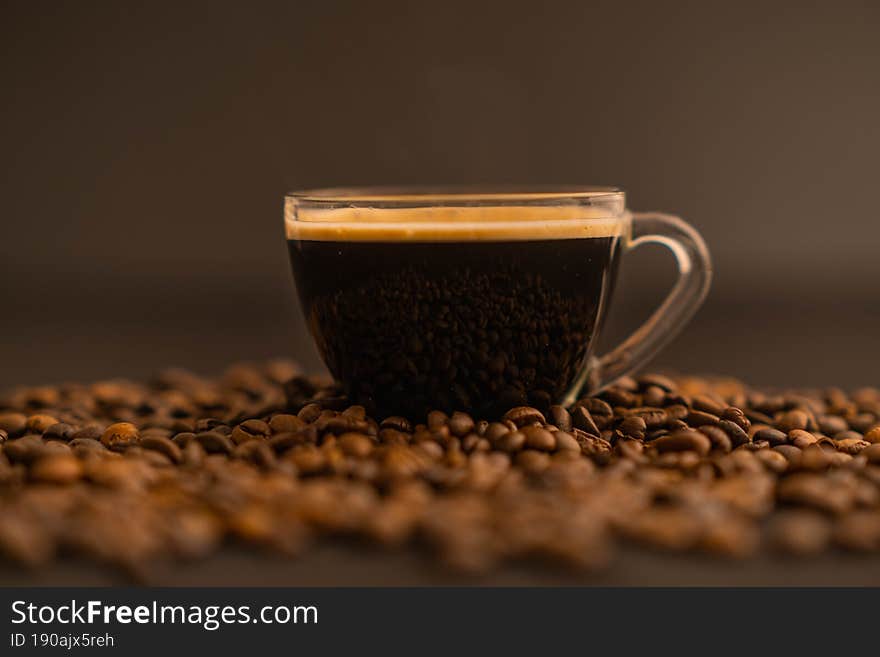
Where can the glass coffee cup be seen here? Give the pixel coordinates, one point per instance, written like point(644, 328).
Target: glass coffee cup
point(477, 299)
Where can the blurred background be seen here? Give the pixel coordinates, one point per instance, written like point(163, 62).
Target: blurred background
point(146, 148)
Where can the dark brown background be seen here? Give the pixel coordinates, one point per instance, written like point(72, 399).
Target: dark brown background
point(146, 150)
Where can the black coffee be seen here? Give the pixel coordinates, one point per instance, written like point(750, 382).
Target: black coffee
point(483, 325)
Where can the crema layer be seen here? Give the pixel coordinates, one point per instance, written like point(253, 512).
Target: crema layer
point(451, 223)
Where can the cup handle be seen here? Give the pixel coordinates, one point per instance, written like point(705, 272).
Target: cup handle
point(694, 277)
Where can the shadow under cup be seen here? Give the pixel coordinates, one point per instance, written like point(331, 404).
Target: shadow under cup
point(452, 303)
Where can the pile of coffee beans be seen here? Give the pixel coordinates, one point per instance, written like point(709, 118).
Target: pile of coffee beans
point(130, 473)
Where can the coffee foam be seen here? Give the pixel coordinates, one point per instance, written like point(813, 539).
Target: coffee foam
point(451, 223)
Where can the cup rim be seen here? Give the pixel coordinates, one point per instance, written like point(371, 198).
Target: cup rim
point(454, 213)
point(428, 195)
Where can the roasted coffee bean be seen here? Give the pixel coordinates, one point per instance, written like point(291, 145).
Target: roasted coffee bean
point(598, 449)
point(792, 454)
point(815, 491)
point(872, 435)
point(397, 423)
point(597, 408)
point(754, 446)
point(859, 531)
point(438, 420)
point(793, 420)
point(533, 461)
point(14, 424)
point(682, 461)
point(699, 418)
point(59, 431)
point(840, 459)
point(756, 417)
point(208, 424)
point(90, 431)
point(454, 458)
point(566, 442)
point(665, 528)
point(561, 418)
point(863, 422)
point(522, 416)
point(582, 419)
point(307, 458)
point(394, 437)
point(282, 423)
point(633, 426)
point(86, 443)
point(461, 424)
point(619, 397)
point(283, 441)
point(773, 436)
point(676, 412)
point(432, 449)
point(469, 443)
point(355, 444)
point(708, 404)
point(164, 446)
point(193, 454)
point(851, 446)
point(181, 423)
point(736, 434)
point(39, 423)
point(736, 416)
point(23, 450)
point(149, 456)
point(341, 424)
point(872, 453)
point(257, 452)
point(801, 438)
point(156, 432)
point(214, 442)
point(652, 417)
point(683, 441)
point(718, 437)
point(731, 537)
point(513, 441)
point(831, 424)
point(654, 396)
point(56, 469)
point(355, 412)
point(495, 431)
point(800, 533)
point(678, 399)
point(657, 433)
point(657, 380)
point(251, 430)
point(483, 445)
point(773, 461)
point(538, 438)
point(120, 435)
point(280, 370)
point(183, 438)
point(632, 450)
point(309, 413)
point(848, 435)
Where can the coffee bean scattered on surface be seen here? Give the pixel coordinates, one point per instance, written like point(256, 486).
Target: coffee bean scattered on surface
point(130, 473)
